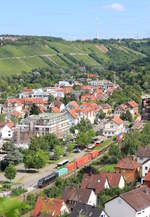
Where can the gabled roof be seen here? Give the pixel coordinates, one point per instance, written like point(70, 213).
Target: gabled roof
point(147, 177)
point(132, 104)
point(138, 199)
point(143, 152)
point(76, 194)
point(127, 163)
point(97, 181)
point(73, 105)
point(86, 210)
point(117, 120)
point(50, 206)
point(55, 109)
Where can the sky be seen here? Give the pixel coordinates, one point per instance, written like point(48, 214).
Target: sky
point(76, 19)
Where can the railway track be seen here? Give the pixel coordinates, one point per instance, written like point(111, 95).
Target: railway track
point(37, 191)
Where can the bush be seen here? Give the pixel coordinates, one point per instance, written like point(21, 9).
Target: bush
point(18, 191)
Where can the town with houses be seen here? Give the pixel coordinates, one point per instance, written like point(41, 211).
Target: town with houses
point(61, 111)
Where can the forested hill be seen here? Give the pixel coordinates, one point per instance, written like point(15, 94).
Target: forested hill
point(28, 53)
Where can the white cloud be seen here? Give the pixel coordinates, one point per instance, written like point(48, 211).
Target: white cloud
point(115, 6)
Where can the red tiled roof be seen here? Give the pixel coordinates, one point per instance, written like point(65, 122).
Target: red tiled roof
point(127, 163)
point(87, 97)
point(133, 104)
point(143, 152)
point(97, 182)
point(117, 120)
point(27, 101)
point(73, 104)
point(55, 110)
point(27, 90)
point(147, 177)
point(138, 199)
point(76, 194)
point(51, 206)
point(86, 87)
point(91, 75)
point(17, 114)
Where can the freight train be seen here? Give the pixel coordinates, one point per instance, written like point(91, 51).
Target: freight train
point(68, 169)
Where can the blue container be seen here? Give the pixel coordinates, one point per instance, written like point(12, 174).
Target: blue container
point(62, 172)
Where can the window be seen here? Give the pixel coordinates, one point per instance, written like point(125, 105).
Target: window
point(146, 168)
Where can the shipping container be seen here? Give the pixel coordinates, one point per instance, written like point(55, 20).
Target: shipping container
point(94, 154)
point(83, 160)
point(62, 172)
point(71, 167)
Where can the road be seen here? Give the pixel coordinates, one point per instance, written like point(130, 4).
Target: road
point(29, 180)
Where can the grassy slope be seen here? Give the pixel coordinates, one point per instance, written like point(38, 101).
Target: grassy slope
point(42, 53)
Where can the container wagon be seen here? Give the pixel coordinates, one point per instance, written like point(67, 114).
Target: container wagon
point(94, 154)
point(62, 171)
point(71, 167)
point(83, 160)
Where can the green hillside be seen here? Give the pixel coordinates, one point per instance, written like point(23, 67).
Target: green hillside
point(42, 52)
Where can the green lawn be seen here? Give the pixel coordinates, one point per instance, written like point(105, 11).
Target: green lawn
point(109, 168)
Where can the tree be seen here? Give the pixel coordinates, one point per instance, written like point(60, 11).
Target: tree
point(130, 143)
point(10, 172)
point(2, 117)
point(6, 146)
point(126, 116)
point(59, 150)
point(35, 110)
point(114, 153)
point(101, 114)
point(13, 156)
point(50, 99)
point(70, 147)
point(35, 160)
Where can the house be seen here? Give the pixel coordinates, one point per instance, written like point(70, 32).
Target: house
point(120, 109)
point(72, 196)
point(131, 204)
point(85, 111)
point(65, 83)
point(107, 109)
point(145, 167)
point(87, 88)
point(103, 180)
point(133, 108)
point(143, 158)
point(49, 207)
point(114, 127)
point(88, 98)
point(57, 105)
point(87, 211)
point(129, 168)
point(146, 180)
point(72, 105)
point(143, 154)
point(67, 89)
point(6, 132)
